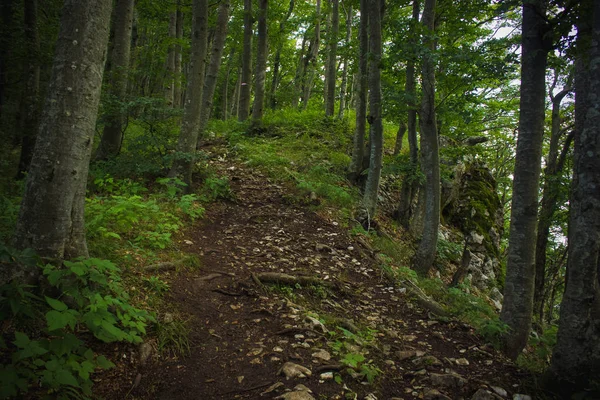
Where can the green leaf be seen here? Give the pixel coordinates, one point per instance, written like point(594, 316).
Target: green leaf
point(58, 320)
point(104, 363)
point(21, 340)
point(56, 304)
point(65, 377)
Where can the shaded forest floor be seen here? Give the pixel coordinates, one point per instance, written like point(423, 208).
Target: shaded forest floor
point(354, 335)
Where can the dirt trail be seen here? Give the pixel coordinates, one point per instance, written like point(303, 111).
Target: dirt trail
point(242, 334)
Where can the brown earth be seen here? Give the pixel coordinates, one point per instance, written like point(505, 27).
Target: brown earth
point(243, 331)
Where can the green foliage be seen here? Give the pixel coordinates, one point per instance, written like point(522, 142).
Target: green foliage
point(448, 251)
point(539, 350)
point(45, 354)
point(215, 188)
point(173, 336)
point(156, 285)
point(9, 211)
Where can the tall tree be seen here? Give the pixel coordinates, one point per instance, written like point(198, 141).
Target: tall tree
point(31, 89)
point(246, 79)
point(358, 148)
point(277, 60)
point(520, 271)
point(332, 58)
point(51, 219)
point(374, 118)
point(344, 86)
point(576, 358)
point(310, 68)
point(186, 145)
point(112, 136)
point(178, 58)
point(169, 87)
point(261, 62)
point(216, 54)
point(430, 158)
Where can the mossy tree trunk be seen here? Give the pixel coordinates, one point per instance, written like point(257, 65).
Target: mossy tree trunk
point(520, 269)
point(51, 215)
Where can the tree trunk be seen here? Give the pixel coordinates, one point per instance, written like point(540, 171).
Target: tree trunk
point(576, 359)
point(246, 83)
point(210, 81)
point(177, 98)
point(520, 271)
point(110, 144)
point(170, 63)
point(186, 145)
point(51, 216)
point(409, 188)
point(399, 138)
point(261, 63)
point(6, 16)
point(331, 69)
point(31, 89)
point(549, 201)
point(300, 73)
point(311, 63)
point(358, 149)
point(375, 119)
point(344, 86)
point(430, 158)
point(235, 102)
point(277, 60)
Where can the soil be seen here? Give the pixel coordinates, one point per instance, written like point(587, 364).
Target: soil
point(242, 330)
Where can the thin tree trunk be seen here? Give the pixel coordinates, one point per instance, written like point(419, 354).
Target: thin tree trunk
point(430, 158)
point(300, 73)
point(520, 270)
point(332, 70)
point(344, 86)
point(576, 359)
point(358, 149)
point(235, 103)
point(210, 81)
point(170, 64)
point(6, 16)
point(31, 89)
point(225, 87)
point(261, 63)
point(277, 61)
point(375, 119)
point(186, 145)
point(110, 144)
point(409, 184)
point(177, 96)
point(311, 64)
point(51, 215)
point(399, 138)
point(246, 83)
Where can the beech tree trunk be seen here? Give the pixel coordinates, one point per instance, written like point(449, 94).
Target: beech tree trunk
point(311, 64)
point(261, 63)
point(300, 73)
point(374, 118)
point(31, 89)
point(430, 158)
point(358, 149)
point(246, 80)
point(409, 188)
point(277, 61)
point(332, 68)
point(177, 72)
point(114, 123)
point(170, 62)
point(216, 54)
point(344, 86)
point(186, 145)
point(576, 358)
point(399, 138)
point(51, 215)
point(520, 270)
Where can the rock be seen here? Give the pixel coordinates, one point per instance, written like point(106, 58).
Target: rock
point(495, 294)
point(447, 380)
point(145, 351)
point(322, 355)
point(499, 391)
point(405, 354)
point(370, 396)
point(326, 376)
point(272, 388)
point(483, 394)
point(291, 370)
point(296, 395)
point(521, 397)
point(316, 324)
point(300, 387)
point(168, 318)
point(434, 394)
point(462, 361)
point(427, 361)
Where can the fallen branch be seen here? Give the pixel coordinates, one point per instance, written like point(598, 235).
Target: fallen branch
point(328, 367)
point(226, 293)
point(424, 301)
point(286, 279)
point(297, 330)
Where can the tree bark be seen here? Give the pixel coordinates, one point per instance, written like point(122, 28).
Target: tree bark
point(520, 270)
point(261, 63)
point(332, 68)
point(246, 83)
point(31, 89)
point(6, 16)
point(277, 61)
point(344, 86)
point(311, 63)
point(409, 188)
point(358, 149)
point(300, 72)
point(170, 64)
point(177, 98)
point(51, 216)
point(186, 145)
point(112, 136)
point(430, 158)
point(576, 358)
point(210, 81)
point(399, 138)
point(374, 118)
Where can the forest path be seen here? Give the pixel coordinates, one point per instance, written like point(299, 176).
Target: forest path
point(242, 333)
